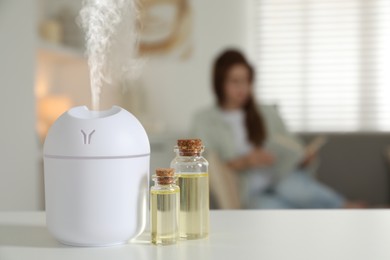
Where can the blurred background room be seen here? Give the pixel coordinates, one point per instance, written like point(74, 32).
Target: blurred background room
point(324, 64)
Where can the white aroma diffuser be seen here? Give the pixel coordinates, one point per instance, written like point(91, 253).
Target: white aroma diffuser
point(96, 167)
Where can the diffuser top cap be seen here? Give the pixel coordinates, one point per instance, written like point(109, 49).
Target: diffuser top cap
point(80, 132)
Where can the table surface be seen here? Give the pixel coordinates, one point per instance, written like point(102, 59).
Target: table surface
point(273, 234)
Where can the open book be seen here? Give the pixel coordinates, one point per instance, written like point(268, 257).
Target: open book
point(289, 153)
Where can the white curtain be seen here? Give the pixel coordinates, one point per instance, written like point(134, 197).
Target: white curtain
point(325, 63)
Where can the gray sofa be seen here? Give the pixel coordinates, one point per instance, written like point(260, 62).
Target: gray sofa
point(357, 165)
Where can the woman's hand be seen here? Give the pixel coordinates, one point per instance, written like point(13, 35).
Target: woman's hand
point(259, 158)
point(309, 158)
point(256, 158)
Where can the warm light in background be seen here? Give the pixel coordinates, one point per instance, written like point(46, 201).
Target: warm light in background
point(49, 108)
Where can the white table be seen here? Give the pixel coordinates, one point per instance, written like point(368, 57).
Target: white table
point(238, 235)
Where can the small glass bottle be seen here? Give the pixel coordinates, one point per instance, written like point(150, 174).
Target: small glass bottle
point(164, 207)
point(191, 168)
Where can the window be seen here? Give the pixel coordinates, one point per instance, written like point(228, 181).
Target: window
point(325, 63)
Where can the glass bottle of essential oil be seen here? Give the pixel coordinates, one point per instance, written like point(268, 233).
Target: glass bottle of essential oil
point(164, 207)
point(191, 168)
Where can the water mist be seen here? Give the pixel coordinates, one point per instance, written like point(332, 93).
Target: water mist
point(111, 42)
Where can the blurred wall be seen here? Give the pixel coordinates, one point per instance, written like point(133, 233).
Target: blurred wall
point(20, 185)
point(176, 88)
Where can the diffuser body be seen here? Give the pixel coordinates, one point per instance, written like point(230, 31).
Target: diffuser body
point(96, 167)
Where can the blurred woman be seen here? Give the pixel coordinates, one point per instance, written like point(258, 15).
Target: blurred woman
point(254, 142)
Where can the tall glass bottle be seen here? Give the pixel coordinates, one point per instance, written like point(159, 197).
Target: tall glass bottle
point(164, 207)
point(192, 171)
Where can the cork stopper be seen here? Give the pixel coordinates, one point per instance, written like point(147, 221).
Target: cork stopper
point(189, 147)
point(165, 175)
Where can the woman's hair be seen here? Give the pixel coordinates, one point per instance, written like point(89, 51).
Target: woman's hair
point(253, 120)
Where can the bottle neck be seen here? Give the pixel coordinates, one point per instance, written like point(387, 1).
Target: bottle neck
point(169, 185)
point(189, 153)
point(164, 180)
